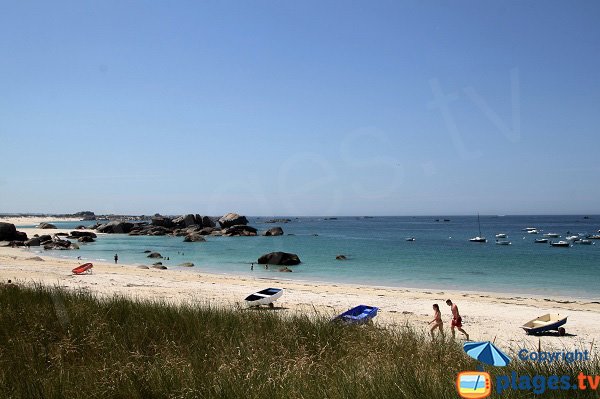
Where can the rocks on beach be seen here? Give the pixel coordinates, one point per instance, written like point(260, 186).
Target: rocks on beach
point(155, 255)
point(45, 225)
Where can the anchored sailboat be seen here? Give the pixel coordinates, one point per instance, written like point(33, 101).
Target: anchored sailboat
point(479, 238)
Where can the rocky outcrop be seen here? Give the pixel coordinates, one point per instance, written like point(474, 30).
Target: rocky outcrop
point(8, 231)
point(208, 222)
point(20, 236)
point(186, 220)
point(279, 258)
point(341, 257)
point(162, 221)
point(78, 234)
point(278, 221)
point(155, 255)
point(85, 239)
point(275, 231)
point(60, 244)
point(115, 227)
point(285, 269)
point(232, 219)
point(45, 225)
point(194, 237)
point(239, 230)
point(159, 267)
point(186, 264)
point(33, 242)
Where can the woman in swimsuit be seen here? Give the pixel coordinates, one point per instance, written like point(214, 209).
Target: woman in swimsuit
point(437, 320)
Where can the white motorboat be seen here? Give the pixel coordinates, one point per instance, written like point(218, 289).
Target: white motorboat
point(501, 235)
point(552, 235)
point(503, 242)
point(534, 231)
point(561, 243)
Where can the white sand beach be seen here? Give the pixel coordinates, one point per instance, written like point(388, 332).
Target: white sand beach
point(486, 316)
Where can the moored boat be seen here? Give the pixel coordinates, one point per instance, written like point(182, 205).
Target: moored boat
point(561, 243)
point(501, 235)
point(503, 242)
point(541, 240)
point(552, 235)
point(479, 238)
point(547, 322)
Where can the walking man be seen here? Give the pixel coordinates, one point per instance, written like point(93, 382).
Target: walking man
point(456, 320)
point(116, 258)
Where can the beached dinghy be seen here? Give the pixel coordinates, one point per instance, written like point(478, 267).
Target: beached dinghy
point(264, 297)
point(547, 322)
point(358, 315)
point(83, 269)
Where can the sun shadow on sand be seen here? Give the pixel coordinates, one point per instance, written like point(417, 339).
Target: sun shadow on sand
point(267, 308)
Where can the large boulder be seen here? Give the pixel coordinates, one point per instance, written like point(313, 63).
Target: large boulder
point(185, 220)
point(115, 227)
point(85, 239)
point(45, 225)
point(232, 219)
point(162, 221)
point(208, 222)
point(155, 255)
point(279, 258)
point(20, 236)
point(34, 242)
point(239, 230)
point(78, 234)
point(275, 231)
point(60, 244)
point(8, 231)
point(194, 237)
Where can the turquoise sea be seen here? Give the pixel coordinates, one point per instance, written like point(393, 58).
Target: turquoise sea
point(441, 257)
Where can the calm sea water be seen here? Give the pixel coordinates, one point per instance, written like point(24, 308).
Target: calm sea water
point(378, 253)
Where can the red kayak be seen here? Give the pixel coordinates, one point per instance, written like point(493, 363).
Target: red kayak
point(85, 268)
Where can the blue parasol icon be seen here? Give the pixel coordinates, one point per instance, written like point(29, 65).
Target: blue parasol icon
point(486, 352)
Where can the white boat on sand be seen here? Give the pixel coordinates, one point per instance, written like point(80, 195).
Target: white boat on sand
point(547, 322)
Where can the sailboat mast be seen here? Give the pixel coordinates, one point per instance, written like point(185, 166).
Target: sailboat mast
point(479, 224)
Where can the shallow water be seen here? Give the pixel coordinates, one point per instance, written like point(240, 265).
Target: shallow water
point(441, 257)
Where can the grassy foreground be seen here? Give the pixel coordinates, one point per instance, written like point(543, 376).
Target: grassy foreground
point(57, 344)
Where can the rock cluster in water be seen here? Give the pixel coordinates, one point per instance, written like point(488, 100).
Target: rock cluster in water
point(191, 227)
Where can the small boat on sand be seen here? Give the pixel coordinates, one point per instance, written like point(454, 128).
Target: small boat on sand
point(547, 322)
point(264, 297)
point(358, 315)
point(86, 268)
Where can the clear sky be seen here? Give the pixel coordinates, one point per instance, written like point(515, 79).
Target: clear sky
point(300, 107)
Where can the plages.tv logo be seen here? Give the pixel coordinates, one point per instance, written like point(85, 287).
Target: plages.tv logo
point(478, 384)
point(474, 384)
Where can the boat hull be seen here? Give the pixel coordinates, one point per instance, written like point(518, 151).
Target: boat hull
point(545, 323)
point(264, 297)
point(358, 315)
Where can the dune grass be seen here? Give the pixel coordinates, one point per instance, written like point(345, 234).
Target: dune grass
point(59, 344)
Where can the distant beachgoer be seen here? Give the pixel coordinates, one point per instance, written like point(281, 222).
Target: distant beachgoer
point(456, 320)
point(252, 266)
point(79, 258)
point(266, 266)
point(116, 258)
point(437, 320)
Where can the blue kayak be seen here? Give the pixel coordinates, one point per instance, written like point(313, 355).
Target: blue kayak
point(359, 314)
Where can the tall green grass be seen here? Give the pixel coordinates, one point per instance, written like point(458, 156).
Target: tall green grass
point(58, 344)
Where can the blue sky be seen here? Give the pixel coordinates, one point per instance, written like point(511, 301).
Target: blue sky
point(300, 108)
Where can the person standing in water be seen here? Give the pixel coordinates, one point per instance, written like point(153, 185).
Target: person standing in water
point(116, 258)
point(456, 320)
point(437, 320)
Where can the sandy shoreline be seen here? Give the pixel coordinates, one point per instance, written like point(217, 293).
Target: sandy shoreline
point(487, 316)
